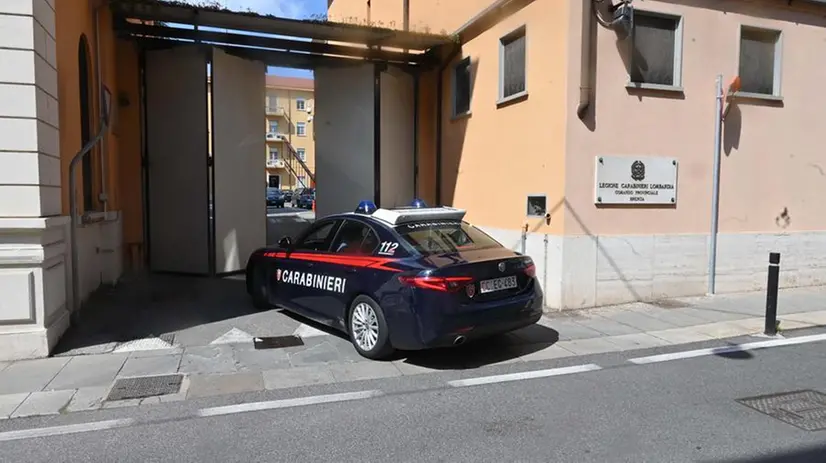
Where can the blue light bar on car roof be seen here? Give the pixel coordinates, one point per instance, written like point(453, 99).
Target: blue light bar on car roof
point(366, 207)
point(404, 215)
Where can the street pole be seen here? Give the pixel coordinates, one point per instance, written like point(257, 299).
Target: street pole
point(715, 187)
point(772, 283)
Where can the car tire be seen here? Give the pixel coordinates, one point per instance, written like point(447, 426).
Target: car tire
point(359, 319)
point(258, 288)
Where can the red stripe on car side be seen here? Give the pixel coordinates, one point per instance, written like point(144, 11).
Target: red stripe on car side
point(355, 261)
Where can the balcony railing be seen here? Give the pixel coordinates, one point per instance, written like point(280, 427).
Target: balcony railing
point(273, 136)
point(275, 163)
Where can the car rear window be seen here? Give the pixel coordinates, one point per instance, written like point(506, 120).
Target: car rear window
point(443, 237)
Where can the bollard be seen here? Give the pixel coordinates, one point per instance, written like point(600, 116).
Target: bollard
point(771, 294)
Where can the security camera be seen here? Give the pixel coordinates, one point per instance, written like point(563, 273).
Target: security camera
point(623, 20)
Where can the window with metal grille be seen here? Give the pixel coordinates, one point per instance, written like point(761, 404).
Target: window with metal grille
point(461, 87)
point(656, 51)
point(759, 61)
point(300, 129)
point(302, 154)
point(300, 104)
point(512, 64)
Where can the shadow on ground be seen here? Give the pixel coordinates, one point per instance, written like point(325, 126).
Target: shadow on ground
point(815, 454)
point(483, 352)
point(143, 306)
point(475, 354)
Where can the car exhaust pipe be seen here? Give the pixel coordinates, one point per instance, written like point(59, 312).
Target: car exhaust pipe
point(459, 341)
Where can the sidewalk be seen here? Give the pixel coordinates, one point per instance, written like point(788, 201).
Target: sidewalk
point(231, 364)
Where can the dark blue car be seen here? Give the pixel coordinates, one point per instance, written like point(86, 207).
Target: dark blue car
point(406, 278)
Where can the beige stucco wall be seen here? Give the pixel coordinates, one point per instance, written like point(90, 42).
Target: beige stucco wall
point(771, 163)
point(436, 16)
point(772, 154)
point(286, 99)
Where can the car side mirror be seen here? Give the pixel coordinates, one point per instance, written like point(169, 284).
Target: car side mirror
point(285, 242)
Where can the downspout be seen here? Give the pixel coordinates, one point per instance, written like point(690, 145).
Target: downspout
point(104, 198)
point(585, 60)
point(439, 96)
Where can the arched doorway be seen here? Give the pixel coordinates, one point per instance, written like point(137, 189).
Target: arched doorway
point(85, 94)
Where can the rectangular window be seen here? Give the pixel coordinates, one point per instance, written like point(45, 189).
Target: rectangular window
point(760, 61)
point(300, 129)
point(656, 54)
point(273, 126)
point(512, 80)
point(461, 87)
point(272, 103)
point(300, 104)
point(273, 154)
point(301, 179)
point(302, 154)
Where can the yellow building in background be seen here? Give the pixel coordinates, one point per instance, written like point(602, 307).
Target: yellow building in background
point(290, 156)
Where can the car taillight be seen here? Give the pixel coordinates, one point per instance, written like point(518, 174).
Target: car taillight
point(530, 270)
point(446, 284)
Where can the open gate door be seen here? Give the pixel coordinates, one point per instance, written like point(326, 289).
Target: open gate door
point(177, 153)
point(344, 128)
point(239, 155)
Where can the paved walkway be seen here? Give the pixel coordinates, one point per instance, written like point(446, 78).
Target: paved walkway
point(230, 363)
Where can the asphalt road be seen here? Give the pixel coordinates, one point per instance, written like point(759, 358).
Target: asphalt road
point(674, 411)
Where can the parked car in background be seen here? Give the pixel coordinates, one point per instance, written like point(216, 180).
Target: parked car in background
point(288, 195)
point(305, 198)
point(275, 197)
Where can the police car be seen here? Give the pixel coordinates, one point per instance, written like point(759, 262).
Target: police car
point(406, 278)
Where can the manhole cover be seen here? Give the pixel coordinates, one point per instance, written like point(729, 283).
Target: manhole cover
point(803, 409)
point(277, 342)
point(145, 386)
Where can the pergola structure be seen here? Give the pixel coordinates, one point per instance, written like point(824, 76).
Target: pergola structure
point(145, 21)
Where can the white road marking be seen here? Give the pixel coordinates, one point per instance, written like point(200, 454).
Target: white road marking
point(143, 344)
point(728, 349)
point(524, 375)
point(287, 403)
point(307, 331)
point(233, 336)
point(62, 430)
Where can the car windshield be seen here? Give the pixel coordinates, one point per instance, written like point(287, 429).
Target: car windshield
point(272, 193)
point(444, 237)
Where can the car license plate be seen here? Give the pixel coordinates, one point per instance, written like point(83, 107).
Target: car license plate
point(497, 284)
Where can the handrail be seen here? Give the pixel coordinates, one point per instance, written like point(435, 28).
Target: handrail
point(73, 196)
point(294, 154)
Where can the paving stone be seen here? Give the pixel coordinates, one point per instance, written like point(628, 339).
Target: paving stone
point(677, 317)
point(212, 385)
point(713, 315)
point(10, 402)
point(681, 335)
point(247, 360)
point(44, 403)
point(549, 352)
point(639, 320)
point(122, 403)
point(589, 346)
point(814, 318)
point(606, 326)
point(87, 371)
point(637, 341)
point(151, 366)
point(569, 329)
point(726, 329)
point(208, 360)
point(364, 370)
point(155, 352)
point(30, 375)
point(299, 376)
point(320, 354)
point(88, 398)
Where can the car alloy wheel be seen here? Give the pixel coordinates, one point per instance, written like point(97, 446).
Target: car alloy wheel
point(365, 326)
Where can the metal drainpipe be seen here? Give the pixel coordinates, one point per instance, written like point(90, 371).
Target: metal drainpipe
point(103, 148)
point(715, 187)
point(585, 60)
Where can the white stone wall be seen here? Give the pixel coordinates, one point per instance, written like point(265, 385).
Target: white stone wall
point(584, 271)
point(33, 240)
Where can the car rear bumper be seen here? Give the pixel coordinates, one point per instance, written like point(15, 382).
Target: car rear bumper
point(432, 327)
